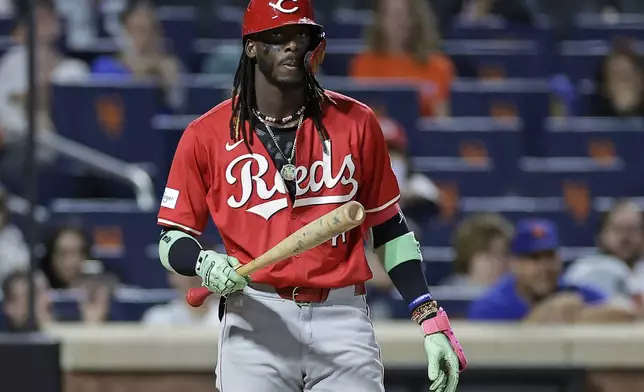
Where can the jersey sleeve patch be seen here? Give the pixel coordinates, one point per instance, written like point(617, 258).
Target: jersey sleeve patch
point(170, 198)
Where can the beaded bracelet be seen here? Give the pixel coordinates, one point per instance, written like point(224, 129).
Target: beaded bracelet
point(423, 311)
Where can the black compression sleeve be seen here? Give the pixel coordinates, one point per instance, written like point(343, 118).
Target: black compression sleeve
point(389, 230)
point(408, 277)
point(183, 255)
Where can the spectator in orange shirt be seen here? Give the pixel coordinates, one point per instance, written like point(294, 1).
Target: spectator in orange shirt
point(403, 43)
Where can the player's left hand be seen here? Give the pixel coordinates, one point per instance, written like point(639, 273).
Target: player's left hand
point(442, 363)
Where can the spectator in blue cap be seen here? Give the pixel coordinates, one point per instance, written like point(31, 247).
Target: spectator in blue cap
point(533, 290)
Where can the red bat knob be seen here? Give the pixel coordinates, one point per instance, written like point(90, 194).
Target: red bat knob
point(196, 296)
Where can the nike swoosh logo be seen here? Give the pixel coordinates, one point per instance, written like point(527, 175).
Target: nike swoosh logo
point(230, 148)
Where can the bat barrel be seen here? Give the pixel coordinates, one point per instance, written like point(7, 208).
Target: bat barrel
point(355, 212)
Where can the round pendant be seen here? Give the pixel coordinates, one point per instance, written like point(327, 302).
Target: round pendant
point(288, 172)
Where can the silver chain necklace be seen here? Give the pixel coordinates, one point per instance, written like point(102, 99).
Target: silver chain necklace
point(288, 171)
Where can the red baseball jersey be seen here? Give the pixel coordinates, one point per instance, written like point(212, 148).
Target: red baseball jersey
point(249, 203)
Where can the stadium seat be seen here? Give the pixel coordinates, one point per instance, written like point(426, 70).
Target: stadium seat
point(602, 139)
point(471, 138)
point(496, 58)
point(528, 99)
point(555, 176)
point(470, 176)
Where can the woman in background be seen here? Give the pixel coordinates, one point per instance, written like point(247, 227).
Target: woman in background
point(67, 266)
point(142, 55)
point(404, 43)
point(66, 254)
point(620, 83)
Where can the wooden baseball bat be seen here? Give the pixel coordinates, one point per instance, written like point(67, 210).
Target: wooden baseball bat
point(336, 222)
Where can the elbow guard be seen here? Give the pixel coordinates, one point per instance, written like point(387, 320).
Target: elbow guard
point(179, 251)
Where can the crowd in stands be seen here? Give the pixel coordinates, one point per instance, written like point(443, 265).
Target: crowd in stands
point(500, 268)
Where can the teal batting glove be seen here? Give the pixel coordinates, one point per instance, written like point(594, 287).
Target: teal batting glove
point(445, 356)
point(218, 273)
point(442, 363)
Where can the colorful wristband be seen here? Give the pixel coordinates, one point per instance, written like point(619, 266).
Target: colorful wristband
point(419, 301)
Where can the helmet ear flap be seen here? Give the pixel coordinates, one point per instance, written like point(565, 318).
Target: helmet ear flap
point(314, 58)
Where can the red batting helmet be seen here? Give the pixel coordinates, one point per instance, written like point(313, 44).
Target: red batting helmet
point(262, 15)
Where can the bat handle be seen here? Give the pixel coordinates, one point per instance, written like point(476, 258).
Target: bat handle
point(196, 296)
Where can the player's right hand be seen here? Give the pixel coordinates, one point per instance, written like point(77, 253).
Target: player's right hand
point(217, 272)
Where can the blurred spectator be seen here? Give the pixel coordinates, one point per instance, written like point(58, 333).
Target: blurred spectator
point(91, 301)
point(417, 191)
point(14, 253)
point(66, 261)
point(618, 267)
point(178, 312)
point(533, 291)
point(403, 43)
point(52, 66)
point(620, 83)
point(142, 54)
point(481, 245)
point(15, 302)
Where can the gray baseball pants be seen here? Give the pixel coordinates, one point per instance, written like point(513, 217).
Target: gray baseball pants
point(271, 344)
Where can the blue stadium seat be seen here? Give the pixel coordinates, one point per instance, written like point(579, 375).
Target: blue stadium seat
point(470, 177)
point(594, 27)
point(545, 177)
point(202, 97)
point(498, 29)
point(109, 116)
point(528, 99)
point(347, 23)
point(603, 139)
point(497, 58)
point(501, 140)
point(180, 28)
point(581, 59)
point(228, 22)
point(6, 26)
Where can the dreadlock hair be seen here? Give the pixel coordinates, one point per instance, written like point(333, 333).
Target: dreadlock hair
point(243, 121)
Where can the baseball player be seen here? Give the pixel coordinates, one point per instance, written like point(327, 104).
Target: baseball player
point(278, 155)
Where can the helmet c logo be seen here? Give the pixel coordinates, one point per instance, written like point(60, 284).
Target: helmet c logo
point(278, 6)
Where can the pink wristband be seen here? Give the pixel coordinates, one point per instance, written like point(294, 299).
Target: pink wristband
point(441, 323)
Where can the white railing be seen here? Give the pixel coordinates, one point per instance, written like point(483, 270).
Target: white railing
point(129, 173)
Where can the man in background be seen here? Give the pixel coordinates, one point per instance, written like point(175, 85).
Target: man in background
point(617, 269)
point(481, 245)
point(533, 291)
